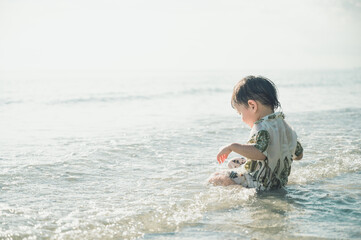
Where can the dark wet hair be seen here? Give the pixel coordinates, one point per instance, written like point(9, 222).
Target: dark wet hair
point(255, 88)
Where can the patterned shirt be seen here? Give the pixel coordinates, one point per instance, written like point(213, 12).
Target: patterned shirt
point(278, 142)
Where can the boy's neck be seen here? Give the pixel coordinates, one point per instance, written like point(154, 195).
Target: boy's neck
point(264, 111)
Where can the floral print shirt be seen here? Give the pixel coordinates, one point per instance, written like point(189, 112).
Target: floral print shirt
point(278, 142)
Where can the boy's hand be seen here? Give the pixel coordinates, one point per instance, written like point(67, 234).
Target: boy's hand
point(223, 154)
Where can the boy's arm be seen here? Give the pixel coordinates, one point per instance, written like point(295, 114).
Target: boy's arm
point(298, 152)
point(298, 157)
point(248, 151)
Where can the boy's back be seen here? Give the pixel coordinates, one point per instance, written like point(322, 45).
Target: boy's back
point(277, 141)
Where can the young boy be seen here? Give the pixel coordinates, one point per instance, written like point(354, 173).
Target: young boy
point(272, 145)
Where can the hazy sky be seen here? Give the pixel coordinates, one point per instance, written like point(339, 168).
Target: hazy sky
point(179, 35)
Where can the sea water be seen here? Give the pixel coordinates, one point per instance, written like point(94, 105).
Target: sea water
point(128, 156)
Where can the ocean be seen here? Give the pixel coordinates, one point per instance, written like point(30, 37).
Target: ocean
point(128, 157)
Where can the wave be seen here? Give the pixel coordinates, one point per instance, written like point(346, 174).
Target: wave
point(160, 219)
point(121, 97)
point(328, 167)
point(10, 101)
point(331, 145)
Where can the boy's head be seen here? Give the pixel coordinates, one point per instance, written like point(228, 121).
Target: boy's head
point(258, 89)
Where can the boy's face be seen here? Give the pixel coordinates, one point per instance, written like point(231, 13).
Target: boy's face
point(247, 113)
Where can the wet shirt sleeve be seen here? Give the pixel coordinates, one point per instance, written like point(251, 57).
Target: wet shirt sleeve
point(262, 141)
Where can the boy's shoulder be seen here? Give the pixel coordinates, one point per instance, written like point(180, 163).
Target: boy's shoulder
point(270, 117)
point(269, 123)
point(267, 120)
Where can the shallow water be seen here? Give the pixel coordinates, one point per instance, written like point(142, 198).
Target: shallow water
point(128, 157)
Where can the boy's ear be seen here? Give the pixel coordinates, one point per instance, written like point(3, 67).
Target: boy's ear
point(253, 105)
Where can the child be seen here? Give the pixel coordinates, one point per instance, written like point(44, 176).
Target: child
point(272, 145)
